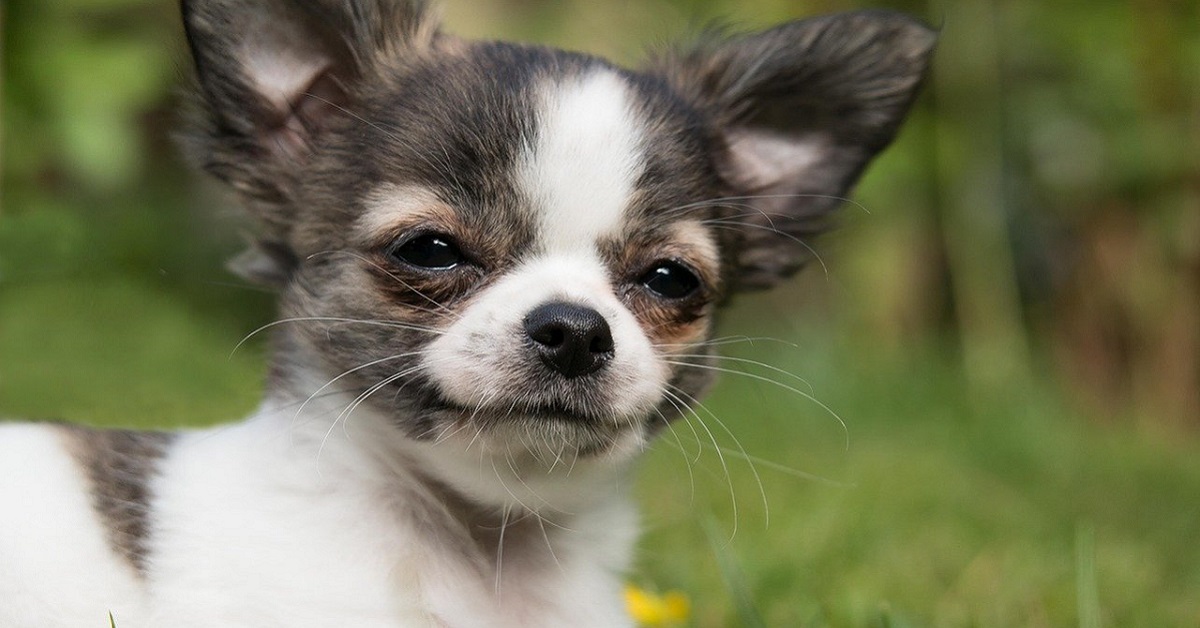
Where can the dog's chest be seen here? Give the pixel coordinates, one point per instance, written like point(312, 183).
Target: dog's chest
point(249, 529)
point(338, 552)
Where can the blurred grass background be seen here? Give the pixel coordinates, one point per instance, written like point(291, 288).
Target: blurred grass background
point(1011, 333)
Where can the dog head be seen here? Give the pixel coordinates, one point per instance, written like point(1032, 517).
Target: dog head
point(523, 247)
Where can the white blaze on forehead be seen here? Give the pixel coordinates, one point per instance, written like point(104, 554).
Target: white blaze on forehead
point(581, 171)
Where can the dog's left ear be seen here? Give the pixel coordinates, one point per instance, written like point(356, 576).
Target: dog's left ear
point(271, 77)
point(800, 110)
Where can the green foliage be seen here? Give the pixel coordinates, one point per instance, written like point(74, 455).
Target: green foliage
point(79, 78)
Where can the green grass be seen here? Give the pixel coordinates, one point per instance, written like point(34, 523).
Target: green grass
point(943, 510)
point(949, 512)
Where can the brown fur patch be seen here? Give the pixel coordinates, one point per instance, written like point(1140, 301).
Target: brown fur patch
point(667, 322)
point(119, 465)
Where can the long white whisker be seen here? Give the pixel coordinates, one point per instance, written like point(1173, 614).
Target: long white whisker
point(827, 409)
point(549, 546)
point(362, 397)
point(729, 224)
point(725, 201)
point(720, 458)
point(355, 369)
point(781, 468)
point(508, 459)
point(500, 541)
point(757, 363)
point(727, 340)
point(687, 461)
point(336, 319)
point(762, 491)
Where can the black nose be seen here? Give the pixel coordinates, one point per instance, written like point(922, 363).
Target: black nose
point(571, 339)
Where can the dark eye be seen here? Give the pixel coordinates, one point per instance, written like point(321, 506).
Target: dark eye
point(670, 280)
point(433, 251)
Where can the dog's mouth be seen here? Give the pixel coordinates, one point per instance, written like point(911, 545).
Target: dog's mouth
point(549, 412)
point(559, 426)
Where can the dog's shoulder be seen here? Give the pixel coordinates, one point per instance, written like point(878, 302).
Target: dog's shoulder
point(56, 546)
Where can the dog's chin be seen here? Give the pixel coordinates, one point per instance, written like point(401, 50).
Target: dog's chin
point(557, 429)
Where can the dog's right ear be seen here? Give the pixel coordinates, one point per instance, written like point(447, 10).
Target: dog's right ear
point(799, 111)
point(271, 76)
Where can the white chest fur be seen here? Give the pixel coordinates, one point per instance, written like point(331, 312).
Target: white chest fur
point(273, 522)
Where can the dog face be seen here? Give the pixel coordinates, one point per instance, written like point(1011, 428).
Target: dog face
point(522, 247)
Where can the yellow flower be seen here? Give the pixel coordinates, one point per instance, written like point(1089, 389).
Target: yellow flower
point(651, 609)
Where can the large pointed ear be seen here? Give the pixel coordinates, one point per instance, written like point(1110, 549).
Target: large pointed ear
point(271, 76)
point(800, 110)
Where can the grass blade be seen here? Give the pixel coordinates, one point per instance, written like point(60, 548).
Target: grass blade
point(731, 574)
point(1087, 591)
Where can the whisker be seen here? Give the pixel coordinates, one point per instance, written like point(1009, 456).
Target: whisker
point(450, 431)
point(362, 397)
point(762, 491)
point(757, 363)
point(682, 410)
point(500, 541)
point(508, 459)
point(687, 462)
point(336, 319)
point(447, 432)
point(781, 468)
point(827, 409)
point(727, 340)
point(549, 546)
point(724, 200)
point(355, 369)
point(720, 458)
point(727, 224)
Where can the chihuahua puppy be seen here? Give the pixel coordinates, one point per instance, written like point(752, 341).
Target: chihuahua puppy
point(498, 265)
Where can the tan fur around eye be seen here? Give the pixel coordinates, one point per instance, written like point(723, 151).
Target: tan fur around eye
point(391, 209)
point(701, 251)
point(667, 324)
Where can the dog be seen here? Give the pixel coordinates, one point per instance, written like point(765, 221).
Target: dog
point(498, 268)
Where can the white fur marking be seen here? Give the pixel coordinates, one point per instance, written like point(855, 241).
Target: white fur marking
point(587, 158)
point(56, 568)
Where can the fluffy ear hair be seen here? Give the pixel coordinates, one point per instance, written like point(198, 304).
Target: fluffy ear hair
point(271, 75)
point(799, 110)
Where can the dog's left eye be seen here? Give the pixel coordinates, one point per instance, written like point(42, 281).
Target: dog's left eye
point(433, 251)
point(670, 280)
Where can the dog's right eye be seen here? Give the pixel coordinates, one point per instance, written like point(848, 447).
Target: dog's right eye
point(670, 280)
point(431, 251)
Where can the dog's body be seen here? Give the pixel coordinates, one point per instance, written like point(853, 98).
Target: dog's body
point(259, 524)
point(499, 266)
